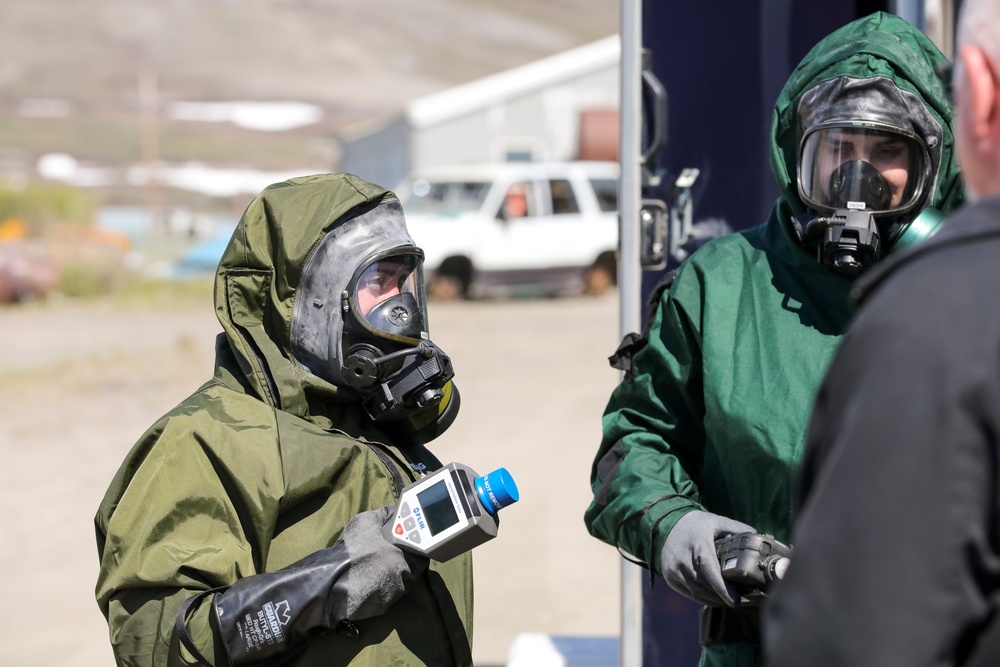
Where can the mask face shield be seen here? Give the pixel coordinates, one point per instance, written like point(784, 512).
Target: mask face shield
point(862, 166)
point(387, 296)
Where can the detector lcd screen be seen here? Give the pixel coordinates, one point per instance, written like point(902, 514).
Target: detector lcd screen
point(438, 508)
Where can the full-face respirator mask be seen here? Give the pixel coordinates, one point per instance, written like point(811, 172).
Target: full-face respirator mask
point(360, 323)
point(389, 359)
point(867, 164)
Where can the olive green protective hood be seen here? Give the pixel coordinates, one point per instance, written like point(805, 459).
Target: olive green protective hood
point(258, 276)
point(879, 45)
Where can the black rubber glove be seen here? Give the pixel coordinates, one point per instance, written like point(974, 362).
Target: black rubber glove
point(361, 576)
point(689, 561)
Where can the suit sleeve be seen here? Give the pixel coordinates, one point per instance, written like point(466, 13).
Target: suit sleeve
point(896, 530)
point(643, 477)
point(176, 523)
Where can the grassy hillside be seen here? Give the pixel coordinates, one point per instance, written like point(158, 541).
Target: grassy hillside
point(354, 58)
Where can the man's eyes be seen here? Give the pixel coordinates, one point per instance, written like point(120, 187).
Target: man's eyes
point(847, 149)
point(380, 281)
point(376, 282)
point(841, 147)
point(891, 150)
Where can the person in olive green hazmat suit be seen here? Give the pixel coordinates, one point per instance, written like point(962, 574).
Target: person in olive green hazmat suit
point(245, 526)
point(702, 437)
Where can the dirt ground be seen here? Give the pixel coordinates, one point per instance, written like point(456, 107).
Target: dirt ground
point(80, 383)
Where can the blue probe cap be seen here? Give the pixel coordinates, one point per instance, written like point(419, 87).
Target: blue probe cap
point(496, 490)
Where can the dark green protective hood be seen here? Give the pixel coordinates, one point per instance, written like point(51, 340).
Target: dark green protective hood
point(255, 285)
point(879, 45)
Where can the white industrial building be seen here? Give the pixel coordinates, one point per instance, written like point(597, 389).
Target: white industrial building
point(563, 107)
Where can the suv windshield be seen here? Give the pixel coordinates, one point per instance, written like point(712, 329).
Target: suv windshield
point(447, 197)
point(606, 190)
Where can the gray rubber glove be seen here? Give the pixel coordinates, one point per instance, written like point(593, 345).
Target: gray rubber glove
point(689, 561)
point(361, 576)
point(379, 572)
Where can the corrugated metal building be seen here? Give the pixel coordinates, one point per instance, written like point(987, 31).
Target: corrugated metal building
point(563, 107)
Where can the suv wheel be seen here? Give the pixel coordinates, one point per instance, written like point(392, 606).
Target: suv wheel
point(601, 275)
point(451, 280)
point(445, 288)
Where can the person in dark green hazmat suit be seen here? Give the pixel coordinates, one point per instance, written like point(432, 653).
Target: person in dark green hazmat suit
point(244, 527)
point(703, 436)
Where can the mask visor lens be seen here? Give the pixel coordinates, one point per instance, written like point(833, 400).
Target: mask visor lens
point(861, 168)
point(396, 278)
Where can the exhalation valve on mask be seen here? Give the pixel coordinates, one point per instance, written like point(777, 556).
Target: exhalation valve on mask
point(848, 239)
point(389, 394)
point(412, 396)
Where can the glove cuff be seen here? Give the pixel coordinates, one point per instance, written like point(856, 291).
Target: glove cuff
point(264, 615)
point(180, 625)
point(661, 528)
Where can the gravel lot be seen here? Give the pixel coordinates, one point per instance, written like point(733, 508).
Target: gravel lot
point(80, 383)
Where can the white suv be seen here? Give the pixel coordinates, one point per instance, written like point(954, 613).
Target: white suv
point(549, 227)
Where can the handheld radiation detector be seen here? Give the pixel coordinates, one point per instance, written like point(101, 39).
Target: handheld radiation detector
point(450, 511)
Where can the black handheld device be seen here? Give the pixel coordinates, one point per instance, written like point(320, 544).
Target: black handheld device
point(751, 562)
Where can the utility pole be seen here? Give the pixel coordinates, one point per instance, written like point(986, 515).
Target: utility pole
point(149, 143)
point(630, 272)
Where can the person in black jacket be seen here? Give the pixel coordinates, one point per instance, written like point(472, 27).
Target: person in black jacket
point(897, 542)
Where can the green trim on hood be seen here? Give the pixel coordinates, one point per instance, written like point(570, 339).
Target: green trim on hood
point(878, 45)
point(255, 285)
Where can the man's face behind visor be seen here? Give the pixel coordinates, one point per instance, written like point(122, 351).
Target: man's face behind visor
point(389, 298)
point(879, 170)
point(383, 280)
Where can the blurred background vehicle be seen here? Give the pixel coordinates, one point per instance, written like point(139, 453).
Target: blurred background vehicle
point(550, 228)
point(25, 274)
